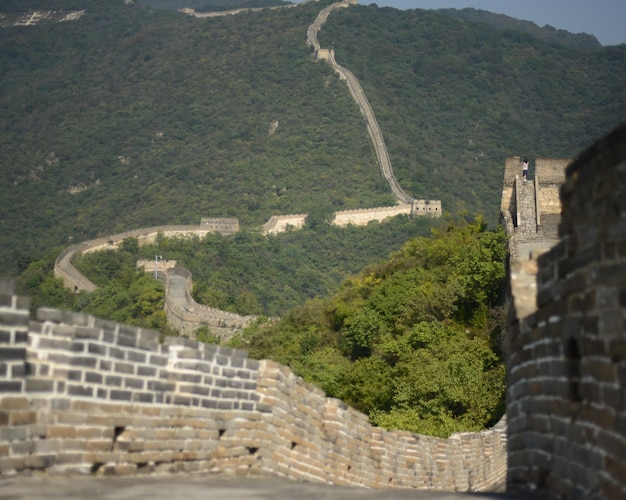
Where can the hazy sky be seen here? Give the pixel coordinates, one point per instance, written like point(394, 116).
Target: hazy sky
point(606, 19)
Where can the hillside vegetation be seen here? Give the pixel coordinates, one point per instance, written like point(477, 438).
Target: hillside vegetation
point(454, 97)
point(413, 342)
point(248, 273)
point(131, 117)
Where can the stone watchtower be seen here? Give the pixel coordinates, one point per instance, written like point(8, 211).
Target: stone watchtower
point(530, 210)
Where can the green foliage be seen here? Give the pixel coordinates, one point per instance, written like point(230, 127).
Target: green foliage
point(125, 294)
point(210, 5)
point(136, 299)
point(547, 33)
point(131, 117)
point(249, 273)
point(455, 97)
point(204, 334)
point(408, 341)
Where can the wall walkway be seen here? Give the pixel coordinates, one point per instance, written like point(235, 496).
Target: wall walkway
point(373, 128)
point(419, 206)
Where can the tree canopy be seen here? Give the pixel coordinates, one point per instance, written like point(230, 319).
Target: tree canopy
point(414, 342)
point(131, 117)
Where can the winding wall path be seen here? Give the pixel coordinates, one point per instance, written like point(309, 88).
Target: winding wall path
point(183, 312)
point(373, 129)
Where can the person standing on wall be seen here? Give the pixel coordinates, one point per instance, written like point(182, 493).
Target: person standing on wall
point(525, 169)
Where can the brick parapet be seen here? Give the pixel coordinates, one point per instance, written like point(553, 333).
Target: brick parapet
point(565, 401)
point(190, 316)
point(14, 321)
point(99, 397)
point(281, 223)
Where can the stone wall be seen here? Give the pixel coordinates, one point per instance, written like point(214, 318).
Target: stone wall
point(281, 223)
point(220, 224)
point(531, 210)
point(427, 207)
point(373, 128)
point(551, 170)
point(74, 280)
point(185, 315)
point(80, 395)
point(566, 405)
point(550, 174)
point(364, 216)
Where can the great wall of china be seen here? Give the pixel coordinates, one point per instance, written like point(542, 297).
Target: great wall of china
point(183, 312)
point(81, 395)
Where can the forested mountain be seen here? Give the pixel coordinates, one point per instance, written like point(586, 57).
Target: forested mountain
point(454, 97)
point(414, 342)
point(130, 116)
point(134, 114)
point(547, 33)
point(211, 5)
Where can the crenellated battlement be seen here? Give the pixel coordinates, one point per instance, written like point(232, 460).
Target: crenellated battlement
point(81, 395)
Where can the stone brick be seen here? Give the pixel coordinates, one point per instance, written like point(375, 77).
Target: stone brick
point(121, 395)
point(39, 461)
point(88, 432)
point(148, 339)
point(17, 318)
point(23, 417)
point(117, 353)
point(84, 332)
point(94, 445)
point(220, 359)
point(73, 375)
point(37, 385)
point(600, 369)
point(12, 353)
point(19, 449)
point(105, 365)
point(80, 390)
point(61, 431)
point(127, 338)
point(113, 380)
point(85, 361)
point(127, 368)
point(146, 371)
point(156, 385)
point(136, 357)
point(46, 447)
point(18, 370)
point(158, 360)
point(93, 377)
point(94, 348)
point(143, 397)
point(134, 383)
point(193, 378)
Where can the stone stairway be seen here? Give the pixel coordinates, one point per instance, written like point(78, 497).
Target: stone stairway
point(527, 223)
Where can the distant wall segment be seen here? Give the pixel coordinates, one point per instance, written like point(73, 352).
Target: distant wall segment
point(74, 280)
point(187, 315)
point(373, 128)
point(184, 313)
point(80, 395)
